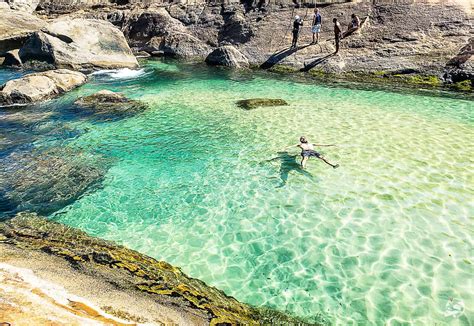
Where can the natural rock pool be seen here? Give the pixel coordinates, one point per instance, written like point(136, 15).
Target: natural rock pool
point(196, 181)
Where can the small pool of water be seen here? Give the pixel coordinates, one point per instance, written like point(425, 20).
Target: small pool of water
point(386, 239)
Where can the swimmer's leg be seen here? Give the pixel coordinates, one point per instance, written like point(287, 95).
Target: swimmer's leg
point(303, 162)
point(322, 158)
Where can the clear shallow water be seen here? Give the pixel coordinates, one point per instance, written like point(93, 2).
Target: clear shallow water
point(385, 239)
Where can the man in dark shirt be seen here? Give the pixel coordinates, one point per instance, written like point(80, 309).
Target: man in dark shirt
point(296, 30)
point(337, 33)
point(316, 29)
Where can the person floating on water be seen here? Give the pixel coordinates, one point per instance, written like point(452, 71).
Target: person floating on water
point(316, 29)
point(298, 22)
point(307, 151)
point(337, 33)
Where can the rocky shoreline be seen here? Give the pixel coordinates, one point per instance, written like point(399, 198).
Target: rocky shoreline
point(413, 43)
point(32, 242)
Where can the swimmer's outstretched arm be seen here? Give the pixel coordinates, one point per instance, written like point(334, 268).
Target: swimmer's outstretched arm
point(296, 145)
point(322, 145)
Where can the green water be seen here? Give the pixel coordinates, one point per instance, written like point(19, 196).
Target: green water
point(386, 239)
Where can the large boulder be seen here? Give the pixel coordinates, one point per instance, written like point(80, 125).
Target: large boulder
point(80, 44)
point(39, 86)
point(178, 44)
point(155, 31)
point(15, 28)
point(227, 55)
point(24, 5)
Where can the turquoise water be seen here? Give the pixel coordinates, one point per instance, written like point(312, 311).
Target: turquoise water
point(386, 239)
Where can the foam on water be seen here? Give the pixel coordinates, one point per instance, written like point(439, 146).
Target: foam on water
point(125, 73)
point(386, 239)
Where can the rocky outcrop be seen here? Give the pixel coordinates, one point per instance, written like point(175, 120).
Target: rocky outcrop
point(12, 59)
point(23, 5)
point(15, 28)
point(106, 103)
point(46, 181)
point(227, 56)
point(155, 31)
point(134, 275)
point(80, 44)
point(253, 103)
point(39, 86)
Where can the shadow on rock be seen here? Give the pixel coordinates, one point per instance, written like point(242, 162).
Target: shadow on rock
point(318, 61)
point(279, 56)
point(46, 181)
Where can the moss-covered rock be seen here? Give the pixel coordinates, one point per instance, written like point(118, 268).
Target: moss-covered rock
point(110, 103)
point(253, 103)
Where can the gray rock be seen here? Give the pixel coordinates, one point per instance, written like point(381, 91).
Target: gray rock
point(12, 59)
point(180, 45)
point(4, 6)
point(80, 44)
point(39, 86)
point(227, 55)
point(15, 28)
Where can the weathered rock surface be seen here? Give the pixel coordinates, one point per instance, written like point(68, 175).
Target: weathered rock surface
point(137, 277)
point(80, 44)
point(39, 86)
point(253, 103)
point(15, 28)
point(109, 103)
point(23, 5)
point(46, 181)
point(228, 56)
point(12, 59)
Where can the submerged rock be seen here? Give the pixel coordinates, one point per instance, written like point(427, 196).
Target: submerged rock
point(258, 102)
point(227, 55)
point(106, 102)
point(16, 27)
point(46, 181)
point(80, 44)
point(39, 86)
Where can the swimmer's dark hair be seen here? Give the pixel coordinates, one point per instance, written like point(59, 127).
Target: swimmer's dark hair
point(303, 139)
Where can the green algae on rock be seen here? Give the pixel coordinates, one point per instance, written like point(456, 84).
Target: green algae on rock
point(107, 102)
point(253, 103)
point(168, 284)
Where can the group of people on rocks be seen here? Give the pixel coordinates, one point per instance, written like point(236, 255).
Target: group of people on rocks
point(316, 28)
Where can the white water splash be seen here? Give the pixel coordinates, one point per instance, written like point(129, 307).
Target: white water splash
point(125, 73)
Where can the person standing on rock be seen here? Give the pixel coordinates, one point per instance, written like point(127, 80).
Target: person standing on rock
point(316, 29)
point(337, 33)
point(296, 30)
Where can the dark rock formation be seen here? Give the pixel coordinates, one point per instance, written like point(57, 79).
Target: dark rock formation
point(259, 102)
point(12, 59)
point(80, 44)
point(39, 86)
point(46, 181)
point(227, 55)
